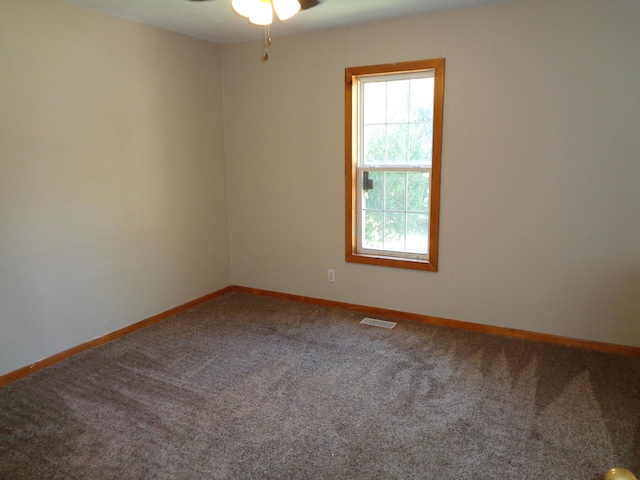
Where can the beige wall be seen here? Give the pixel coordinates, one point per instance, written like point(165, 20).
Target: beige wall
point(540, 222)
point(112, 176)
point(113, 184)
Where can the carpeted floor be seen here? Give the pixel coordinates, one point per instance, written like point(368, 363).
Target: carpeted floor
point(251, 387)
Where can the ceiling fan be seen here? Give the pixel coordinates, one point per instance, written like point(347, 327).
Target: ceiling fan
point(304, 4)
point(261, 12)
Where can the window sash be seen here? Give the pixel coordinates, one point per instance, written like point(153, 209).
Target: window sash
point(386, 124)
point(406, 252)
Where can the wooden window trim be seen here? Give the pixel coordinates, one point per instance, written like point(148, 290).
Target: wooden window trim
point(351, 159)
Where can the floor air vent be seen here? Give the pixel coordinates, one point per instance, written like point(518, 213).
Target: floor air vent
point(378, 323)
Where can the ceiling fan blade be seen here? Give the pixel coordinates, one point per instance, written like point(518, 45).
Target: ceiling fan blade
point(305, 4)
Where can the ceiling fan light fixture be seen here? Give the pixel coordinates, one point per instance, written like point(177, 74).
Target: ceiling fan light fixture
point(262, 13)
point(244, 7)
point(285, 9)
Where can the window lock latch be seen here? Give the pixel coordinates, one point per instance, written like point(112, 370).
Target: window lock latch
point(367, 183)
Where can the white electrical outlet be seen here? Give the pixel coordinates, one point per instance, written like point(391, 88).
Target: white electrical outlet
point(331, 276)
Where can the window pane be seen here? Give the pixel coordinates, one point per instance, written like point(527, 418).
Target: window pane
point(375, 144)
point(373, 227)
point(394, 190)
point(375, 103)
point(373, 199)
point(422, 99)
point(398, 101)
point(397, 141)
point(417, 232)
point(420, 143)
point(394, 228)
point(418, 192)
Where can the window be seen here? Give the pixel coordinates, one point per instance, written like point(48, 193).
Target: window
point(393, 135)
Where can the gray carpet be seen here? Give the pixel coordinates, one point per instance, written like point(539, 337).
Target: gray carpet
point(253, 387)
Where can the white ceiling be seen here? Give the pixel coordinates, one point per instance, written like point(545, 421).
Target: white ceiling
point(215, 20)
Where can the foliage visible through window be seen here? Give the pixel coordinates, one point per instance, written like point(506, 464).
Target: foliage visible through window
point(393, 135)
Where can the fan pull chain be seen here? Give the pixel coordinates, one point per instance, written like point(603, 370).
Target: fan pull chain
point(267, 43)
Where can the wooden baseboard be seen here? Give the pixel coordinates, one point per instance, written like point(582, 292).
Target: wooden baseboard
point(476, 327)
point(624, 350)
point(58, 357)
